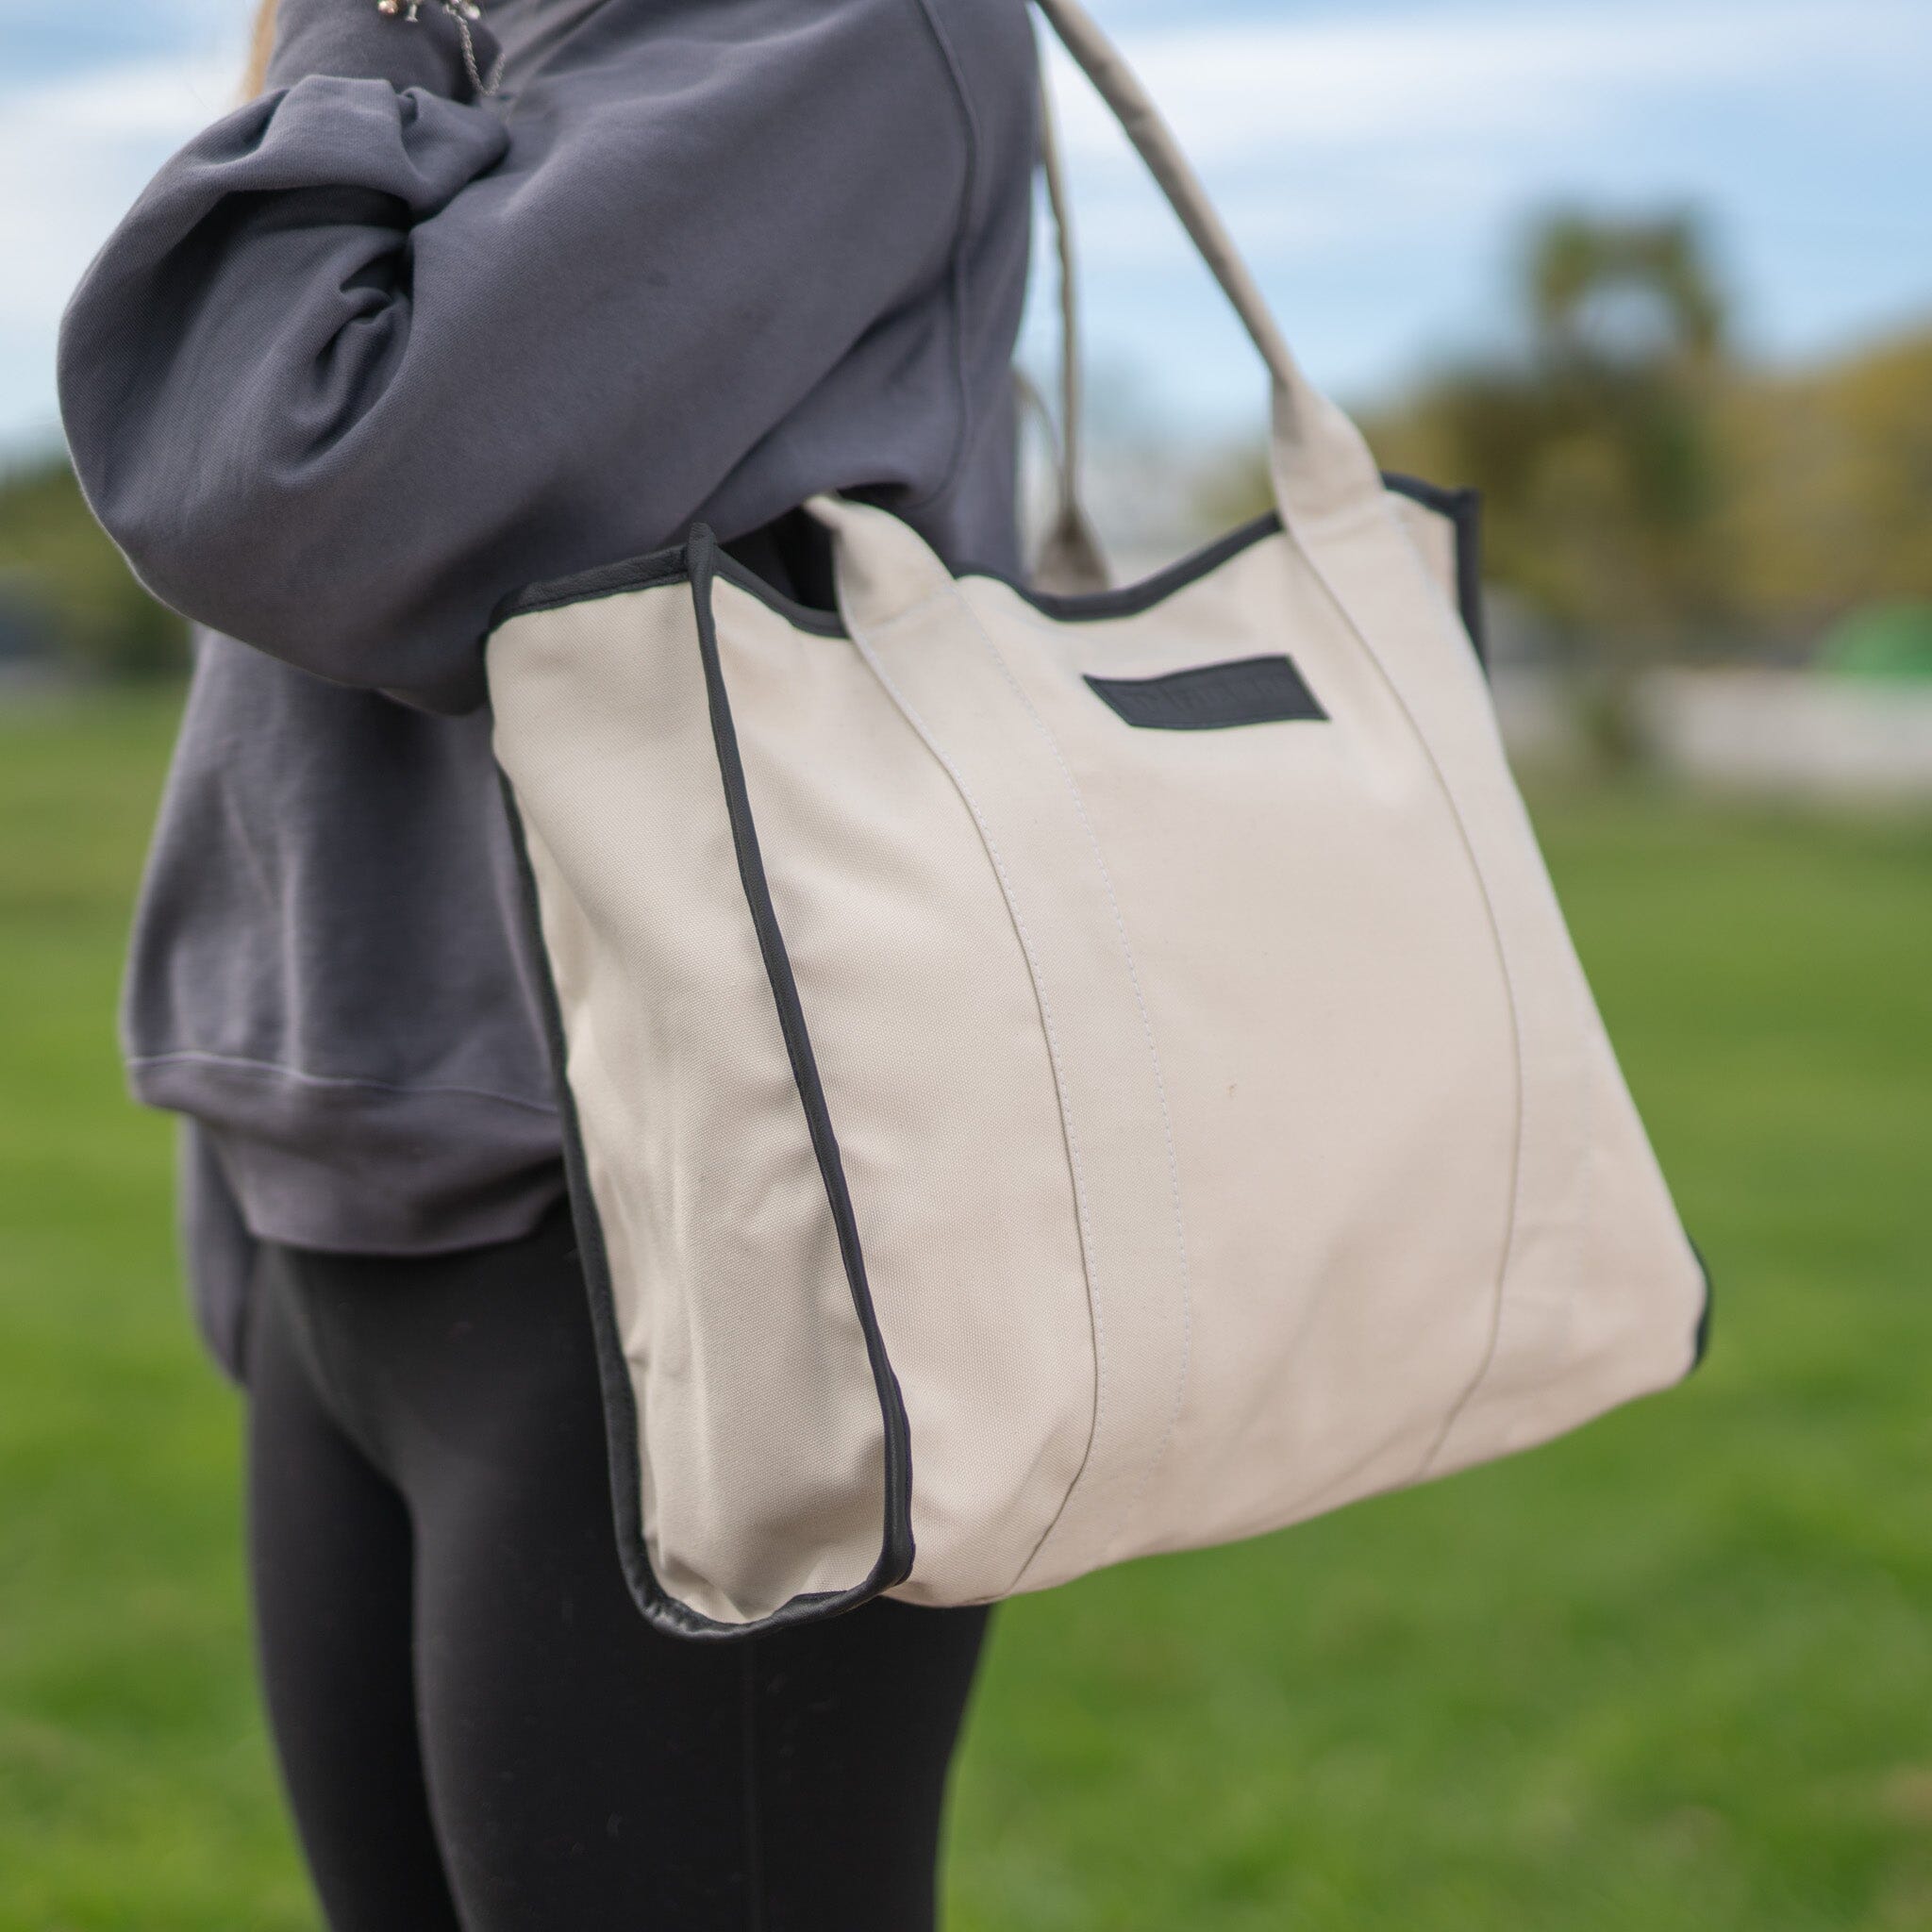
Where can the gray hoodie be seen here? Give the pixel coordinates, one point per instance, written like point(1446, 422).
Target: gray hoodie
point(370, 353)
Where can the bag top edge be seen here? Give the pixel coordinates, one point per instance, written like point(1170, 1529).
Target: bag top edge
point(659, 568)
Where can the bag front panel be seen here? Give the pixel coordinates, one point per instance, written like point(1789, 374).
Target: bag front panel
point(1242, 1045)
point(1426, 1215)
point(1322, 980)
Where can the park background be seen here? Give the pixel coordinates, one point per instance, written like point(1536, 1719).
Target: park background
point(1659, 280)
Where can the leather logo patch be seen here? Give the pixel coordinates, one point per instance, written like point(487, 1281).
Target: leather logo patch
point(1212, 697)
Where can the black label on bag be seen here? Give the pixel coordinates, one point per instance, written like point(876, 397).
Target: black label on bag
point(1211, 697)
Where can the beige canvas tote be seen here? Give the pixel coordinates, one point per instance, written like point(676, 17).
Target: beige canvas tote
point(1052, 1077)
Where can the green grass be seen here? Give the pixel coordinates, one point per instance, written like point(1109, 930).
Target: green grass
point(1672, 1673)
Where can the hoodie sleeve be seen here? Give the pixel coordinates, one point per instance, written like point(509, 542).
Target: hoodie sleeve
point(367, 354)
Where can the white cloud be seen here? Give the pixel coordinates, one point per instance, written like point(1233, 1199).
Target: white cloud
point(1339, 148)
point(1375, 164)
point(1238, 88)
point(1405, 112)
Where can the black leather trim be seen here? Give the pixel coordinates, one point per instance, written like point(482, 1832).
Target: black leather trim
point(1464, 509)
point(1131, 599)
point(825, 623)
point(607, 580)
point(894, 1562)
point(649, 572)
point(1702, 1345)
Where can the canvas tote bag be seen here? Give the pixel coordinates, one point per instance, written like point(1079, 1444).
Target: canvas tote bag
point(1049, 1079)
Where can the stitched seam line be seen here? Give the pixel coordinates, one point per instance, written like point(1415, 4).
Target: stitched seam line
point(271, 1070)
point(904, 617)
point(1503, 959)
point(1052, 1048)
point(1173, 1170)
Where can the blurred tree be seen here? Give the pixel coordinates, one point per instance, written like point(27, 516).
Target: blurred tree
point(104, 622)
point(1596, 448)
point(1828, 487)
point(1593, 444)
point(1643, 494)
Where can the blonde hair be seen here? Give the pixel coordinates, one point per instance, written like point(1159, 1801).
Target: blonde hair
point(260, 49)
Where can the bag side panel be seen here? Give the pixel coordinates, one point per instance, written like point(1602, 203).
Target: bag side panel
point(760, 1441)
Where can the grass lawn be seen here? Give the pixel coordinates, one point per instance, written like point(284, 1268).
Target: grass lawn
point(1672, 1673)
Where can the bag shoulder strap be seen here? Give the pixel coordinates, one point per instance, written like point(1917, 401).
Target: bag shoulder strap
point(1071, 561)
point(1320, 465)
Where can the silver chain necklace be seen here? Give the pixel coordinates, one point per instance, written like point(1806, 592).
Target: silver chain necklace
point(462, 12)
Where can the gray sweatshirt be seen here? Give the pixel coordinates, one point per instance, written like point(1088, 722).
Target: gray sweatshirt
point(371, 352)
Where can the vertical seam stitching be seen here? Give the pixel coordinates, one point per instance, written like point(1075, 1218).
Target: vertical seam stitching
point(1506, 965)
point(1147, 1034)
point(1089, 1260)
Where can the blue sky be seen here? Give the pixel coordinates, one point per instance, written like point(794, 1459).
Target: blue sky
point(1375, 158)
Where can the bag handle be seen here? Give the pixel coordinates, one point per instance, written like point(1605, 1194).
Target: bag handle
point(1321, 466)
point(1071, 560)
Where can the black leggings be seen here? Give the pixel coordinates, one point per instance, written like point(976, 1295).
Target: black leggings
point(476, 1727)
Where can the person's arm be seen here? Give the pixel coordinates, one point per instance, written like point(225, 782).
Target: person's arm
point(363, 356)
